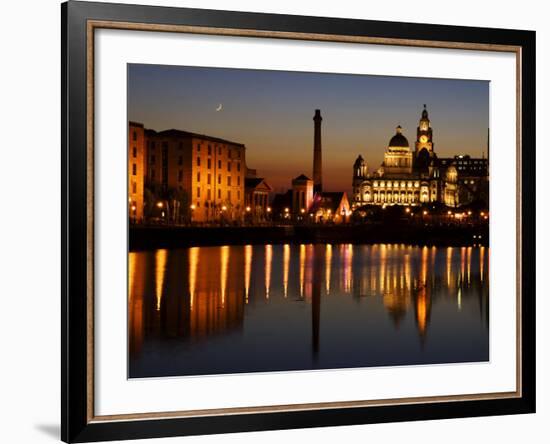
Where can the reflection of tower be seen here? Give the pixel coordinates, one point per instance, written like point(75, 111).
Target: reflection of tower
point(317, 154)
point(316, 297)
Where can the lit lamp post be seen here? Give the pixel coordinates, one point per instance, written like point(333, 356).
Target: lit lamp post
point(160, 205)
point(268, 209)
point(192, 207)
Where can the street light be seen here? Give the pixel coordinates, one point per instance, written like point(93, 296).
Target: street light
point(302, 211)
point(269, 209)
point(248, 209)
point(159, 204)
point(224, 208)
point(193, 207)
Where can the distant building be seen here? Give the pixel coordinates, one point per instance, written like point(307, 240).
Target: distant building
point(317, 153)
point(257, 192)
point(281, 206)
point(302, 194)
point(193, 176)
point(307, 201)
point(330, 206)
point(136, 171)
point(413, 178)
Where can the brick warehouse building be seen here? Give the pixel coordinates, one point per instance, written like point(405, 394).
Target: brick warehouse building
point(136, 171)
point(180, 176)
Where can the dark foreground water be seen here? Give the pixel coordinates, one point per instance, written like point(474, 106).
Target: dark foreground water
point(211, 310)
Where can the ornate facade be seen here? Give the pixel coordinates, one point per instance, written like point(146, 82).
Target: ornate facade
point(408, 177)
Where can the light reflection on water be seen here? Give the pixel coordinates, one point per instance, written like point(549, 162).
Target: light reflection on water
point(209, 310)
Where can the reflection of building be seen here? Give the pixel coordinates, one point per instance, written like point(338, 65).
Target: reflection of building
point(257, 197)
point(136, 171)
point(415, 177)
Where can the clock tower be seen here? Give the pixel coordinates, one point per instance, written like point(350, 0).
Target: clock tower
point(424, 134)
point(423, 147)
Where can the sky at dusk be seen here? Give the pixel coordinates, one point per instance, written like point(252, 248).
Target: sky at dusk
point(271, 112)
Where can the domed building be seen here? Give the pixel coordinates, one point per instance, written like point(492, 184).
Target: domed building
point(398, 156)
point(412, 178)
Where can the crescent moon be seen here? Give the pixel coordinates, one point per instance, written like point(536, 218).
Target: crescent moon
point(219, 108)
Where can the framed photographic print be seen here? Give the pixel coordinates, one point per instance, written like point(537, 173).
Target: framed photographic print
point(277, 221)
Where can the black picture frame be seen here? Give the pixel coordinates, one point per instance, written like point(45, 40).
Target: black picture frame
point(76, 328)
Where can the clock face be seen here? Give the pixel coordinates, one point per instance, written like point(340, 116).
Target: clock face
point(423, 139)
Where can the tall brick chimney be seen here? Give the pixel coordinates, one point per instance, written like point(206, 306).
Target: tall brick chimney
point(317, 153)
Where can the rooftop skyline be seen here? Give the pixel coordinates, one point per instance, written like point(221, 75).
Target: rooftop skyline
point(271, 112)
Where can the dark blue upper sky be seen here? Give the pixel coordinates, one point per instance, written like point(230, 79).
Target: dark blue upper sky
point(271, 113)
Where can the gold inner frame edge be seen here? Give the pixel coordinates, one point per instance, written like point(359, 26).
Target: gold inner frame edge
point(92, 25)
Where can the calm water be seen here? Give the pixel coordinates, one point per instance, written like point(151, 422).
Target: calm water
point(211, 310)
